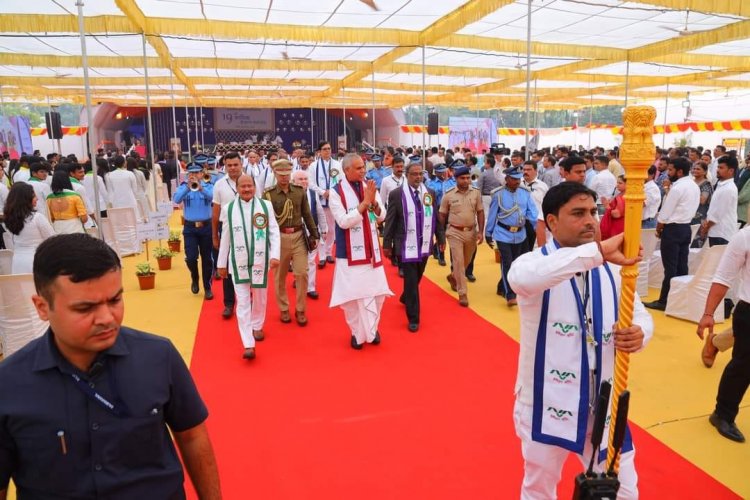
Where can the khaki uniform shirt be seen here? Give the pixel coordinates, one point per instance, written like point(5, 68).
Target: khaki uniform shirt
point(461, 208)
point(301, 212)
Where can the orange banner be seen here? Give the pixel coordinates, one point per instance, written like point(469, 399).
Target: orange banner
point(36, 131)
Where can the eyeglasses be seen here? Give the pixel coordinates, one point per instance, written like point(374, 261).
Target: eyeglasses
point(327, 147)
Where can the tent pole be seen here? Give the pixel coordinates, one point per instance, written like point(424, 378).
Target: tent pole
point(591, 116)
point(666, 107)
point(149, 123)
point(325, 123)
point(528, 78)
point(89, 115)
point(203, 137)
point(424, 113)
point(174, 125)
point(195, 112)
point(346, 141)
point(187, 130)
point(627, 80)
point(2, 101)
point(312, 129)
point(374, 140)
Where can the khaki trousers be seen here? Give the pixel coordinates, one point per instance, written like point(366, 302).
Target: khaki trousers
point(724, 340)
point(462, 245)
point(294, 250)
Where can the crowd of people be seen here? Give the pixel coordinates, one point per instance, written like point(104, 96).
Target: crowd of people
point(555, 217)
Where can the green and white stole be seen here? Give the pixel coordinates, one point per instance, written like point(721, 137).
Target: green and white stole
point(250, 245)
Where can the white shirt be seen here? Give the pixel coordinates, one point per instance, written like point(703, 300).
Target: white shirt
point(723, 210)
point(264, 179)
point(122, 187)
point(225, 190)
point(389, 184)
point(603, 184)
point(273, 232)
point(530, 275)
point(36, 229)
point(41, 190)
point(734, 264)
point(88, 183)
point(81, 190)
point(4, 196)
point(538, 190)
point(319, 173)
point(22, 175)
point(681, 203)
point(322, 223)
point(653, 199)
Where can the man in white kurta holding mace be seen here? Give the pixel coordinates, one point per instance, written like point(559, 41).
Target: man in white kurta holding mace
point(566, 352)
point(359, 283)
point(249, 249)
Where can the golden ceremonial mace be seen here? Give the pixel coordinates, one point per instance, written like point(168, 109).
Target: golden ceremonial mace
point(636, 156)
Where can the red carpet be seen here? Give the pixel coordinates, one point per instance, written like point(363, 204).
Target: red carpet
point(424, 415)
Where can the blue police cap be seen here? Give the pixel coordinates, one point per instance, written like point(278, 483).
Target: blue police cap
point(457, 163)
point(200, 159)
point(194, 168)
point(440, 168)
point(211, 161)
point(462, 170)
point(376, 157)
point(514, 172)
point(415, 159)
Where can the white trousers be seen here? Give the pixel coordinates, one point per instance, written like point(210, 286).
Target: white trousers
point(251, 311)
point(312, 269)
point(325, 248)
point(543, 463)
point(363, 317)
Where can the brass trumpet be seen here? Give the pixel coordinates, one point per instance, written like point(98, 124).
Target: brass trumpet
point(206, 177)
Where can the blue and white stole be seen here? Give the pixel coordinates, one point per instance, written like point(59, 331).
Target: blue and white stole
point(562, 375)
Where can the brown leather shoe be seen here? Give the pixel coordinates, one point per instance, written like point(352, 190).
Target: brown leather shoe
point(285, 318)
point(463, 301)
point(301, 318)
point(452, 282)
point(512, 302)
point(249, 353)
point(258, 335)
point(708, 355)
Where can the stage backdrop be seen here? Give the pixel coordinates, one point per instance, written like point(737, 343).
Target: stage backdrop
point(473, 133)
point(15, 136)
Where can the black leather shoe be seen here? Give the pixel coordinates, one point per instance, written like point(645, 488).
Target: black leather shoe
point(727, 429)
point(194, 287)
point(441, 262)
point(376, 340)
point(354, 344)
point(227, 312)
point(209, 295)
point(313, 295)
point(659, 306)
point(321, 264)
point(400, 273)
point(330, 260)
point(413, 327)
point(471, 278)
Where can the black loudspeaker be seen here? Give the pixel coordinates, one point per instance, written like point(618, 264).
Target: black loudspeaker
point(54, 127)
point(432, 123)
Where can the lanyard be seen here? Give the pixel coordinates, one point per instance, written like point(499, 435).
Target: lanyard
point(230, 186)
point(325, 172)
point(116, 407)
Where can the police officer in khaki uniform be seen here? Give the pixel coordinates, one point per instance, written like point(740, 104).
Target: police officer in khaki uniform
point(293, 214)
point(460, 212)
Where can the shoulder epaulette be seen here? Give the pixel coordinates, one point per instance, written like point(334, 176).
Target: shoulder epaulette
point(451, 189)
point(499, 188)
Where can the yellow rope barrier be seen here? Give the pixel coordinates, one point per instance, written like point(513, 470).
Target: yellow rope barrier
point(636, 155)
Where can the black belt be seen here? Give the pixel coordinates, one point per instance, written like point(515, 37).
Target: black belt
point(512, 229)
point(197, 223)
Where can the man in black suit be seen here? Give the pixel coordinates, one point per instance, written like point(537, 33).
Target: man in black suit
point(411, 228)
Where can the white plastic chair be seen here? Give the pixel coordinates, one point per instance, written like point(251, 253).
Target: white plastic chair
point(648, 242)
point(108, 235)
point(19, 322)
point(6, 261)
point(687, 294)
point(656, 268)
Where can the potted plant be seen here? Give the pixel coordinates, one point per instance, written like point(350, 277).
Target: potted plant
point(174, 241)
point(146, 275)
point(163, 257)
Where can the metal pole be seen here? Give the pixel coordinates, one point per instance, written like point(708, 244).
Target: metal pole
point(312, 129)
point(174, 127)
point(2, 101)
point(203, 138)
point(346, 141)
point(149, 122)
point(374, 140)
point(195, 112)
point(627, 80)
point(424, 113)
point(528, 78)
point(187, 130)
point(591, 116)
point(89, 116)
point(325, 123)
point(666, 107)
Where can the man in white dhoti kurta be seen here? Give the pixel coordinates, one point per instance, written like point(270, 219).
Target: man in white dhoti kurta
point(359, 283)
point(566, 352)
point(250, 247)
